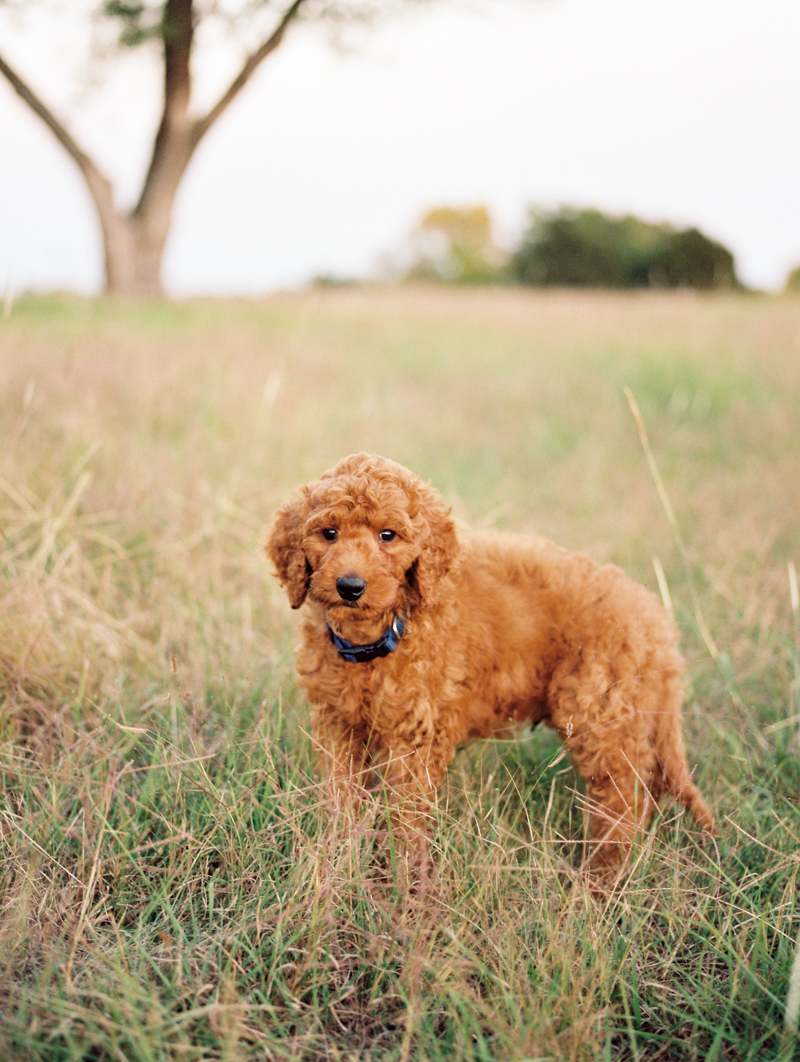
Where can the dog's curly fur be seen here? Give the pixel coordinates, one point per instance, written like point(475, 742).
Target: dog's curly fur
point(500, 631)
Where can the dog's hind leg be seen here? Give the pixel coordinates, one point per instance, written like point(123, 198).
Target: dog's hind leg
point(597, 717)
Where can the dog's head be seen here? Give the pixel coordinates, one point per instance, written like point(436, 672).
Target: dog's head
point(368, 538)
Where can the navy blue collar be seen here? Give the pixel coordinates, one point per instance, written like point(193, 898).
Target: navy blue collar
point(360, 654)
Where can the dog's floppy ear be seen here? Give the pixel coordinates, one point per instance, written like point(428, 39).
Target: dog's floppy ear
point(284, 547)
point(439, 544)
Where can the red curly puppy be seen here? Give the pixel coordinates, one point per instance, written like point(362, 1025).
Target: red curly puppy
point(416, 641)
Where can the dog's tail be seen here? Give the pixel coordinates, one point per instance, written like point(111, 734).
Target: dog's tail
point(686, 792)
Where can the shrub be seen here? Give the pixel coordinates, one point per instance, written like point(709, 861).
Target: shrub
point(793, 282)
point(691, 260)
point(586, 248)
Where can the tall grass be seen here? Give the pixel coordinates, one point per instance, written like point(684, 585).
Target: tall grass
point(172, 882)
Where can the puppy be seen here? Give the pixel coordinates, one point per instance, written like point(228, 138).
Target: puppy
point(416, 640)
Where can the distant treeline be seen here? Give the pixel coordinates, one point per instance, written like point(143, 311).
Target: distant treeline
point(585, 248)
point(570, 247)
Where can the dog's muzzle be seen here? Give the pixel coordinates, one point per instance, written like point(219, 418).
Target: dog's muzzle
point(350, 587)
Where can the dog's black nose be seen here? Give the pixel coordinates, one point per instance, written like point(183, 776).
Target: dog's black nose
point(350, 587)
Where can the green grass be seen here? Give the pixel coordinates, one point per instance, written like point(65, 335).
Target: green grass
point(172, 884)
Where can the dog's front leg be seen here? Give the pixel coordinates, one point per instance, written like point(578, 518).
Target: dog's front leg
point(342, 752)
point(412, 775)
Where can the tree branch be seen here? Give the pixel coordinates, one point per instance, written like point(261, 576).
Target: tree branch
point(99, 186)
point(47, 116)
point(202, 125)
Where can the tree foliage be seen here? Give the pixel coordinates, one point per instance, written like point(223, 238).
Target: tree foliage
point(139, 22)
point(569, 248)
point(586, 248)
point(455, 244)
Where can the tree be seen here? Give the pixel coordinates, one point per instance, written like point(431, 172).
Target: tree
point(134, 240)
point(689, 259)
point(571, 248)
point(586, 248)
point(455, 245)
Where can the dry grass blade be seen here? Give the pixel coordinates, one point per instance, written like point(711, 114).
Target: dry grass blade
point(673, 522)
point(792, 1016)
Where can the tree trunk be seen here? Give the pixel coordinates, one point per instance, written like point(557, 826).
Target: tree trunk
point(132, 258)
point(134, 242)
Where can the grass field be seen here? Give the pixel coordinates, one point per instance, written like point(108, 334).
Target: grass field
point(171, 885)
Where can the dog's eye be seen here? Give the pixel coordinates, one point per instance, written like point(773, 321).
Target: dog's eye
point(329, 534)
point(387, 536)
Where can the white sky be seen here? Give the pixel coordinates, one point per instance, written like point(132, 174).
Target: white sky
point(678, 110)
